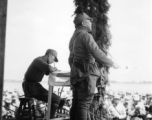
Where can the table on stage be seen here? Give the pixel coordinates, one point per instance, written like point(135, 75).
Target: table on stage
point(58, 78)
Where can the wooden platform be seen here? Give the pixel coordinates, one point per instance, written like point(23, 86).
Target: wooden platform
point(61, 118)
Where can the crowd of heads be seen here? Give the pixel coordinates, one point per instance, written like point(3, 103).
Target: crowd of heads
point(11, 104)
point(122, 105)
point(104, 101)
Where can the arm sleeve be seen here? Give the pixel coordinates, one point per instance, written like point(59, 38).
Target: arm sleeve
point(123, 112)
point(131, 111)
point(113, 111)
point(97, 53)
point(142, 109)
point(40, 64)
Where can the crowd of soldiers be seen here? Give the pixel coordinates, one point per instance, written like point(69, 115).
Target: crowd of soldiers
point(107, 105)
point(121, 106)
point(11, 104)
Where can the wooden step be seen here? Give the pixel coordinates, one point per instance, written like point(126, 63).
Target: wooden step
point(61, 118)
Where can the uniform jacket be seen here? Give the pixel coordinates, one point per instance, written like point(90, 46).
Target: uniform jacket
point(37, 70)
point(83, 46)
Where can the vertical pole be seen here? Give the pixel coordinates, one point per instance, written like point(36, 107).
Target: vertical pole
point(3, 14)
point(49, 102)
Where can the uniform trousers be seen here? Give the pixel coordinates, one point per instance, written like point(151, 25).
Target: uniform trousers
point(36, 90)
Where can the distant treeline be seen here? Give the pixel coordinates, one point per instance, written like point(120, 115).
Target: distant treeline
point(111, 81)
point(141, 82)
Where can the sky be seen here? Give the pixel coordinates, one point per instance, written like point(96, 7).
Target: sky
point(33, 26)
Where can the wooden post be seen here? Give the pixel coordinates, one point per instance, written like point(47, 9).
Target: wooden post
point(3, 14)
point(49, 102)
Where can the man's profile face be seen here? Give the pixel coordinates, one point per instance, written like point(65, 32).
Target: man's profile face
point(88, 25)
point(51, 58)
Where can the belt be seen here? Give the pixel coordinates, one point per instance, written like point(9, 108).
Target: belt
point(29, 81)
point(87, 61)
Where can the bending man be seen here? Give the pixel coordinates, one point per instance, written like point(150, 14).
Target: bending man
point(34, 75)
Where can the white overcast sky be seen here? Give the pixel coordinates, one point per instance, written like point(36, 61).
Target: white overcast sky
point(36, 25)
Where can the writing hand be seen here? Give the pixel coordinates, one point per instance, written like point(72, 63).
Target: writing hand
point(55, 69)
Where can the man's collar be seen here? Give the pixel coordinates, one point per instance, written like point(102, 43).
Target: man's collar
point(44, 58)
point(81, 28)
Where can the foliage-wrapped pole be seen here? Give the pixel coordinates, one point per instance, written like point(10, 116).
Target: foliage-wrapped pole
point(97, 9)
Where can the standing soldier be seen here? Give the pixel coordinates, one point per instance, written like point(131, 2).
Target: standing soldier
point(84, 70)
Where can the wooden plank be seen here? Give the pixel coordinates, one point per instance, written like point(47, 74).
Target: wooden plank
point(49, 101)
point(3, 14)
point(61, 118)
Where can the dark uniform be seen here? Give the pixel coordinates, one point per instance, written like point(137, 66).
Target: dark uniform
point(84, 71)
point(31, 86)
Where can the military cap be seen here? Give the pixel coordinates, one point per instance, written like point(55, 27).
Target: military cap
point(52, 52)
point(80, 18)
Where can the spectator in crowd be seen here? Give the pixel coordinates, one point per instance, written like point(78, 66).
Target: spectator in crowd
point(120, 109)
point(15, 100)
point(149, 107)
point(9, 110)
point(136, 109)
point(69, 102)
point(126, 103)
point(40, 108)
point(143, 99)
point(108, 102)
point(4, 111)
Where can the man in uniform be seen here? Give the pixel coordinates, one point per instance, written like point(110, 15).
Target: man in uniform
point(34, 74)
point(119, 108)
point(136, 109)
point(84, 70)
